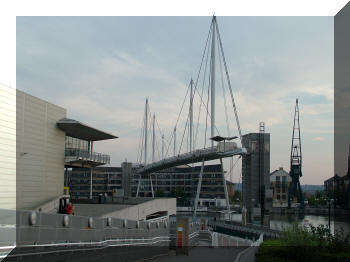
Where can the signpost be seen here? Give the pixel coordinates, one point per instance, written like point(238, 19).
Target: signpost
point(182, 236)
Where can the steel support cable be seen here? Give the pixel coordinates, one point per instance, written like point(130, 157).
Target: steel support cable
point(200, 104)
point(178, 117)
point(206, 118)
point(205, 48)
point(149, 117)
point(223, 93)
point(157, 147)
point(151, 140)
point(195, 87)
point(142, 137)
point(225, 105)
point(160, 131)
point(162, 134)
point(229, 84)
point(188, 116)
point(234, 164)
point(206, 105)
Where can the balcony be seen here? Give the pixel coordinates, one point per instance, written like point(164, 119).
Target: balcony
point(82, 158)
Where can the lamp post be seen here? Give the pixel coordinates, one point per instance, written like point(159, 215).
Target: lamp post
point(329, 213)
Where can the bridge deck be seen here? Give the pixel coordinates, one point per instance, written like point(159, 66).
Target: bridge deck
point(196, 156)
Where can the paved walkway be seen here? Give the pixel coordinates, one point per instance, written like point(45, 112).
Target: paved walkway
point(204, 254)
point(247, 255)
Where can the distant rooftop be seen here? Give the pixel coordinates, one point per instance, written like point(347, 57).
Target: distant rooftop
point(79, 130)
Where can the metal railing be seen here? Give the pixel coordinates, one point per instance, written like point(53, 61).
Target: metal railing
point(198, 155)
point(250, 230)
point(76, 154)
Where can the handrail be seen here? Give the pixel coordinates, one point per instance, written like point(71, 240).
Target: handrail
point(208, 153)
point(81, 154)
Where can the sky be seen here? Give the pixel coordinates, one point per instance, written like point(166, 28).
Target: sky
point(101, 69)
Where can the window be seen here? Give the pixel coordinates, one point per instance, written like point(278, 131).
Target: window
point(284, 197)
point(278, 197)
point(76, 143)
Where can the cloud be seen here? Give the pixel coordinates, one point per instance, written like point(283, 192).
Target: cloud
point(102, 71)
point(318, 138)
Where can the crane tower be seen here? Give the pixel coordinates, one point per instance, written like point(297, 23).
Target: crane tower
point(295, 162)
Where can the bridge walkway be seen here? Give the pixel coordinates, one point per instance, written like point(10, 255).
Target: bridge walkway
point(216, 152)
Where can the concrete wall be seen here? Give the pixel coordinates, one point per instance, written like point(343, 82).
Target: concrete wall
point(126, 178)
point(58, 237)
point(141, 211)
point(40, 151)
point(7, 147)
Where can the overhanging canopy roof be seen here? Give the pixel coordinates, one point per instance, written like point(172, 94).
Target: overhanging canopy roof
point(79, 130)
point(222, 138)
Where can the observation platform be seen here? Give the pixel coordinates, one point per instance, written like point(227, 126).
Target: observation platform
point(222, 150)
point(83, 158)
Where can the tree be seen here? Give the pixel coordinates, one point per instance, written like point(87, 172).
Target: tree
point(159, 193)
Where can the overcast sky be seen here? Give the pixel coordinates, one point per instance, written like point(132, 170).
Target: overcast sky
point(101, 69)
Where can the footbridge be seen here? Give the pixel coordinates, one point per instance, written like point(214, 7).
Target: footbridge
point(220, 151)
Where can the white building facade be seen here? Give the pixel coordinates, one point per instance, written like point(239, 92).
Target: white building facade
point(34, 149)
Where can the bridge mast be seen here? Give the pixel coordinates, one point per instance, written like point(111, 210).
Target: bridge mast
point(153, 137)
point(146, 129)
point(212, 80)
point(191, 116)
point(162, 146)
point(175, 141)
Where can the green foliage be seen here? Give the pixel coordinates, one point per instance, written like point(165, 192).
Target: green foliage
point(159, 193)
point(320, 198)
point(306, 243)
point(238, 195)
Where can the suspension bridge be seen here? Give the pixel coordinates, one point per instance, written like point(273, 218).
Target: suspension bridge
point(198, 94)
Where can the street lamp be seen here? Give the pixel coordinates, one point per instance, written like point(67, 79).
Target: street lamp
point(329, 213)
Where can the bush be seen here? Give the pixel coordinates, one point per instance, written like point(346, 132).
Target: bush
point(306, 243)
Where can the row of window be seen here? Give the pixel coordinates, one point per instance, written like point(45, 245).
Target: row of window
point(278, 178)
point(76, 143)
point(73, 188)
point(284, 197)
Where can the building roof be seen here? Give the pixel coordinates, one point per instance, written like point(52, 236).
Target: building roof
point(79, 130)
point(337, 177)
point(280, 172)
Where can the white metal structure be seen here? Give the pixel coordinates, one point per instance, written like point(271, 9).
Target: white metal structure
point(146, 129)
point(212, 81)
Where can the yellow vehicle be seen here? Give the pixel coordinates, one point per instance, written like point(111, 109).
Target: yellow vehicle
point(66, 190)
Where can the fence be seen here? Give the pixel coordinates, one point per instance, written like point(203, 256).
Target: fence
point(250, 231)
point(73, 154)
